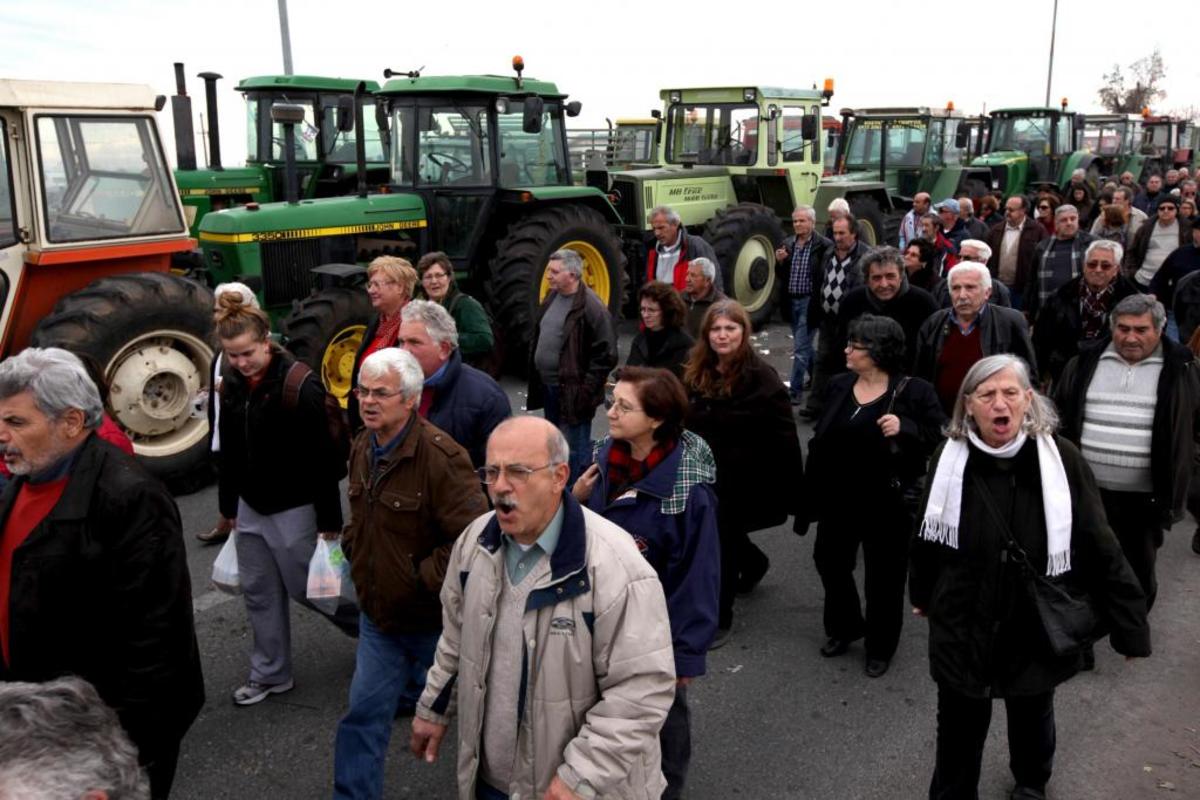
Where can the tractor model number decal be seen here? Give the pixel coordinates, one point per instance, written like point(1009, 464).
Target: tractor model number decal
point(311, 233)
point(691, 194)
point(219, 190)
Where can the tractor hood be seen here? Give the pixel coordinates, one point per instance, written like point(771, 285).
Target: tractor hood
point(313, 218)
point(1000, 158)
point(239, 180)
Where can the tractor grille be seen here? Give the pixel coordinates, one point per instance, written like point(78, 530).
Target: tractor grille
point(286, 270)
point(627, 203)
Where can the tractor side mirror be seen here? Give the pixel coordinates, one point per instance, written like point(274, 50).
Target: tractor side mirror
point(573, 108)
point(962, 136)
point(531, 121)
point(345, 114)
point(656, 113)
point(808, 127)
point(772, 112)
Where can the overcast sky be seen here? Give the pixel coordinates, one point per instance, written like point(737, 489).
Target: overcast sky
point(615, 56)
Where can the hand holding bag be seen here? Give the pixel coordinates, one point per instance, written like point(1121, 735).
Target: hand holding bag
point(225, 568)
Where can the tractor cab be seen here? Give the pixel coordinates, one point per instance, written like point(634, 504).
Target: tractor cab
point(906, 148)
point(1169, 142)
point(1033, 148)
point(1114, 140)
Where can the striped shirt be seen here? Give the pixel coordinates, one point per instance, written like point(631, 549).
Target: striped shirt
point(1118, 421)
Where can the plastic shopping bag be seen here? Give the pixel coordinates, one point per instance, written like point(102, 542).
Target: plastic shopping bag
point(329, 577)
point(225, 568)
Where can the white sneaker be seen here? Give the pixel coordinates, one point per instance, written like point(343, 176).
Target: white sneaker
point(255, 692)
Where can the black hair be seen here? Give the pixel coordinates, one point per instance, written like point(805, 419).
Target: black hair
point(884, 339)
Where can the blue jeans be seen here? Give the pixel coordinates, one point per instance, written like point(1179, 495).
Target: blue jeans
point(802, 352)
point(382, 668)
point(579, 435)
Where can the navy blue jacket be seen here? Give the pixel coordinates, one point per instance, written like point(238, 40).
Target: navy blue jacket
point(683, 549)
point(468, 405)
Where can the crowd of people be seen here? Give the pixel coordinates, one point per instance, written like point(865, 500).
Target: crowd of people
point(1008, 390)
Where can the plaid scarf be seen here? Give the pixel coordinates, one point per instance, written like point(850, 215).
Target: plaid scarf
point(624, 470)
point(1093, 308)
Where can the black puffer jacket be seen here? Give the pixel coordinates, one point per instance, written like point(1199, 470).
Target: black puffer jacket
point(1056, 336)
point(667, 349)
point(100, 589)
point(985, 636)
point(752, 433)
point(274, 457)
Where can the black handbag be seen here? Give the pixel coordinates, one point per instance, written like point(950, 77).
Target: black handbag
point(1065, 610)
point(910, 491)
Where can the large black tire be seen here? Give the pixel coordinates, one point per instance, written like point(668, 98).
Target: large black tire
point(150, 333)
point(744, 238)
point(325, 330)
point(870, 219)
point(515, 284)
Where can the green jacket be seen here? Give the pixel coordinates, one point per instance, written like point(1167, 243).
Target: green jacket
point(474, 328)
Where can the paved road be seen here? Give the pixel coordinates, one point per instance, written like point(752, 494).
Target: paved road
point(772, 719)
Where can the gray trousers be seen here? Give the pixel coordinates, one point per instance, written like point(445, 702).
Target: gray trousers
point(273, 554)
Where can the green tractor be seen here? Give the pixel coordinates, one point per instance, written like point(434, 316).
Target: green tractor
point(1170, 142)
point(1032, 149)
point(735, 162)
point(479, 170)
point(1116, 142)
point(324, 152)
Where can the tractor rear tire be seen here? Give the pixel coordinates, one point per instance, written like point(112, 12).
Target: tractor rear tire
point(325, 331)
point(150, 334)
point(744, 238)
point(870, 218)
point(517, 285)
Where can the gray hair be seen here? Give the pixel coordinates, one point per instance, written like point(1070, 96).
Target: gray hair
point(707, 267)
point(437, 320)
point(58, 739)
point(966, 204)
point(838, 205)
point(667, 213)
point(240, 289)
point(1125, 192)
point(571, 261)
point(1135, 305)
point(882, 255)
point(1040, 418)
point(932, 217)
point(1078, 172)
point(1065, 208)
point(985, 250)
point(400, 363)
point(1105, 244)
point(985, 277)
point(1188, 182)
point(57, 380)
point(807, 211)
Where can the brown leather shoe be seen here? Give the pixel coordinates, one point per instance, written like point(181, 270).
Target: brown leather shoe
point(219, 533)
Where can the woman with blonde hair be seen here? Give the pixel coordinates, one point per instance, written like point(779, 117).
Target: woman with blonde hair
point(391, 281)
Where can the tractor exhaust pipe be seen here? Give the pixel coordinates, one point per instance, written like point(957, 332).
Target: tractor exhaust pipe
point(360, 138)
point(214, 130)
point(181, 115)
point(289, 116)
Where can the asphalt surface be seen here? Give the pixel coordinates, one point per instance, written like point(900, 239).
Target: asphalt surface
point(772, 719)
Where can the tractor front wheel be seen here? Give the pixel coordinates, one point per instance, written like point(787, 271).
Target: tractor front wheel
point(149, 333)
point(325, 331)
point(744, 238)
point(870, 218)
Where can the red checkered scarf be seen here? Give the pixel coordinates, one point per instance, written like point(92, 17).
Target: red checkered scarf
point(1093, 308)
point(624, 470)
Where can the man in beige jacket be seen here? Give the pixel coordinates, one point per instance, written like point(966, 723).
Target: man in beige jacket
point(555, 640)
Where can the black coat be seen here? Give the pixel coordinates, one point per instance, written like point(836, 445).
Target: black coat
point(752, 433)
point(100, 589)
point(1056, 336)
point(921, 422)
point(1001, 330)
point(985, 636)
point(589, 353)
point(667, 349)
point(273, 457)
point(821, 248)
point(910, 308)
point(1173, 436)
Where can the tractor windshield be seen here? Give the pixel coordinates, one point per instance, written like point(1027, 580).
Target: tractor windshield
point(258, 121)
point(712, 134)
point(904, 142)
point(1105, 138)
point(8, 217)
point(634, 144)
point(104, 178)
point(340, 145)
point(440, 146)
point(1029, 134)
point(532, 159)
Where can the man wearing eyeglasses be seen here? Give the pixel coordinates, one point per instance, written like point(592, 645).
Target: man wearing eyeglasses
point(557, 641)
point(412, 491)
point(1013, 243)
point(1155, 241)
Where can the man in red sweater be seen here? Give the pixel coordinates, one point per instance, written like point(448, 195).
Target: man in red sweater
point(93, 573)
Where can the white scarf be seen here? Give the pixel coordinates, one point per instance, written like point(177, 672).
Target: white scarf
point(945, 495)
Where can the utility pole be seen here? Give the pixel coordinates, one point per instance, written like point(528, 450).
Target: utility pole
point(286, 39)
point(1050, 69)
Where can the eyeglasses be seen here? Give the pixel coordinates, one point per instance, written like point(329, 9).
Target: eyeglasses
point(379, 284)
point(1043, 208)
point(857, 346)
point(515, 473)
point(971, 257)
point(1096, 264)
point(1167, 208)
point(363, 393)
point(434, 276)
point(620, 406)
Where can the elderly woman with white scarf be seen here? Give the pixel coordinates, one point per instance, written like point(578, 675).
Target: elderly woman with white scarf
point(1009, 502)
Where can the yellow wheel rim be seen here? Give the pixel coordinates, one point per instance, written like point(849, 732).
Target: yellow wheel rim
point(337, 363)
point(595, 271)
point(754, 273)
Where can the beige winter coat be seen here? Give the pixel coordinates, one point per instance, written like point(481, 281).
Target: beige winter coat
point(600, 673)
